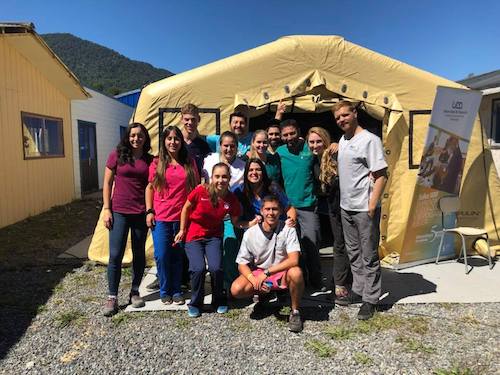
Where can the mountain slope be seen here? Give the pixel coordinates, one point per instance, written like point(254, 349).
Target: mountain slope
point(101, 68)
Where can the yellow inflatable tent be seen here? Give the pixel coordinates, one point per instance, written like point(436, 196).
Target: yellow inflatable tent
point(313, 72)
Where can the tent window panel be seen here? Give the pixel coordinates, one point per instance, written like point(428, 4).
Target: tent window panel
point(495, 121)
point(419, 126)
point(42, 136)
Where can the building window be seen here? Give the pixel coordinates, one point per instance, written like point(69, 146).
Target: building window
point(495, 121)
point(42, 136)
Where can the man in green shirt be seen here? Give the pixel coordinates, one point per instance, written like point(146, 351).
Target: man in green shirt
point(297, 169)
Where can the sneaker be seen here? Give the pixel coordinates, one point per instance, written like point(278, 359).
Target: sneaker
point(350, 299)
point(154, 286)
point(222, 309)
point(366, 311)
point(167, 300)
point(111, 307)
point(178, 299)
point(193, 312)
point(136, 300)
point(295, 322)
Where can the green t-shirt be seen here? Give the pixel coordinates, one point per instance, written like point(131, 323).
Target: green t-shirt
point(298, 178)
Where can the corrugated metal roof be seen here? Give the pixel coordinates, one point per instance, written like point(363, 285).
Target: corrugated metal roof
point(23, 37)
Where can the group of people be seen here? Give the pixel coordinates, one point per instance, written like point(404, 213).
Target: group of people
point(245, 206)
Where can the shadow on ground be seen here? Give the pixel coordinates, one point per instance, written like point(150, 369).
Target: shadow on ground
point(25, 292)
point(29, 267)
point(399, 285)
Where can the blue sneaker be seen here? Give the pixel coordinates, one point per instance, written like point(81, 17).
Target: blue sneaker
point(222, 309)
point(193, 312)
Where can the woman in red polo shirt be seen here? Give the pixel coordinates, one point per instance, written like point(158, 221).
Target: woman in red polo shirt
point(172, 176)
point(205, 209)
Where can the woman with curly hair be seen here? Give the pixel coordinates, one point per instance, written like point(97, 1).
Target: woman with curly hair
point(172, 176)
point(125, 178)
point(328, 191)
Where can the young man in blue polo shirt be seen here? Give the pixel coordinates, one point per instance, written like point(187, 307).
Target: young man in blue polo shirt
point(239, 126)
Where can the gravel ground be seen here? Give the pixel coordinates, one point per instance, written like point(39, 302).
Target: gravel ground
point(65, 333)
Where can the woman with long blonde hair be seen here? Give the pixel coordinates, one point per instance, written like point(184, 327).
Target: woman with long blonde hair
point(328, 191)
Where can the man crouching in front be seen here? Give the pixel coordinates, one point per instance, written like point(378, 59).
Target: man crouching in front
point(268, 260)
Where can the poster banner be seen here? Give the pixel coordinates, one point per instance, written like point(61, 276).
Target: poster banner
point(440, 173)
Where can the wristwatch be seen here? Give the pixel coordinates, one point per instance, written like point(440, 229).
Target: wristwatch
point(150, 211)
point(267, 273)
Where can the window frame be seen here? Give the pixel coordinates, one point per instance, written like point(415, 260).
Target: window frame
point(412, 114)
point(59, 120)
point(495, 123)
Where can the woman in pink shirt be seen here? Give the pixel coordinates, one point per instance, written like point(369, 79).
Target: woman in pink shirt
point(172, 176)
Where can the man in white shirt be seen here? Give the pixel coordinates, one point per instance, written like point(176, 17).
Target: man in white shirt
point(268, 259)
point(362, 177)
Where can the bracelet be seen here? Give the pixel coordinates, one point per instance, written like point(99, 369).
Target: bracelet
point(150, 211)
point(248, 276)
point(106, 208)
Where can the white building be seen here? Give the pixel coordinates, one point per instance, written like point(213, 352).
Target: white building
point(489, 111)
point(97, 125)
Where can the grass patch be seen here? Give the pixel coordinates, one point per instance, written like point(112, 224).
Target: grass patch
point(233, 314)
point(285, 310)
point(91, 299)
point(379, 322)
point(127, 271)
point(362, 359)
point(339, 332)
point(418, 325)
point(84, 280)
point(320, 348)
point(453, 371)
point(72, 317)
point(183, 322)
point(59, 288)
point(123, 317)
point(414, 346)
point(469, 319)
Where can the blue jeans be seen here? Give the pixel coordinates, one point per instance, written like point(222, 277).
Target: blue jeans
point(196, 252)
point(118, 240)
point(168, 258)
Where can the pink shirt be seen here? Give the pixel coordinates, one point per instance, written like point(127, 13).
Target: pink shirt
point(130, 183)
point(168, 202)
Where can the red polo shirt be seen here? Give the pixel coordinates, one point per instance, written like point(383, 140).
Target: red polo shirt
point(205, 220)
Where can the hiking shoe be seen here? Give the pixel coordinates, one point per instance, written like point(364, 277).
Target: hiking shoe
point(167, 300)
point(136, 300)
point(154, 286)
point(178, 299)
point(351, 299)
point(193, 312)
point(295, 322)
point(111, 307)
point(222, 309)
point(366, 311)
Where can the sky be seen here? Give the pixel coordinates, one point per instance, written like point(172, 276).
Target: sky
point(449, 38)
